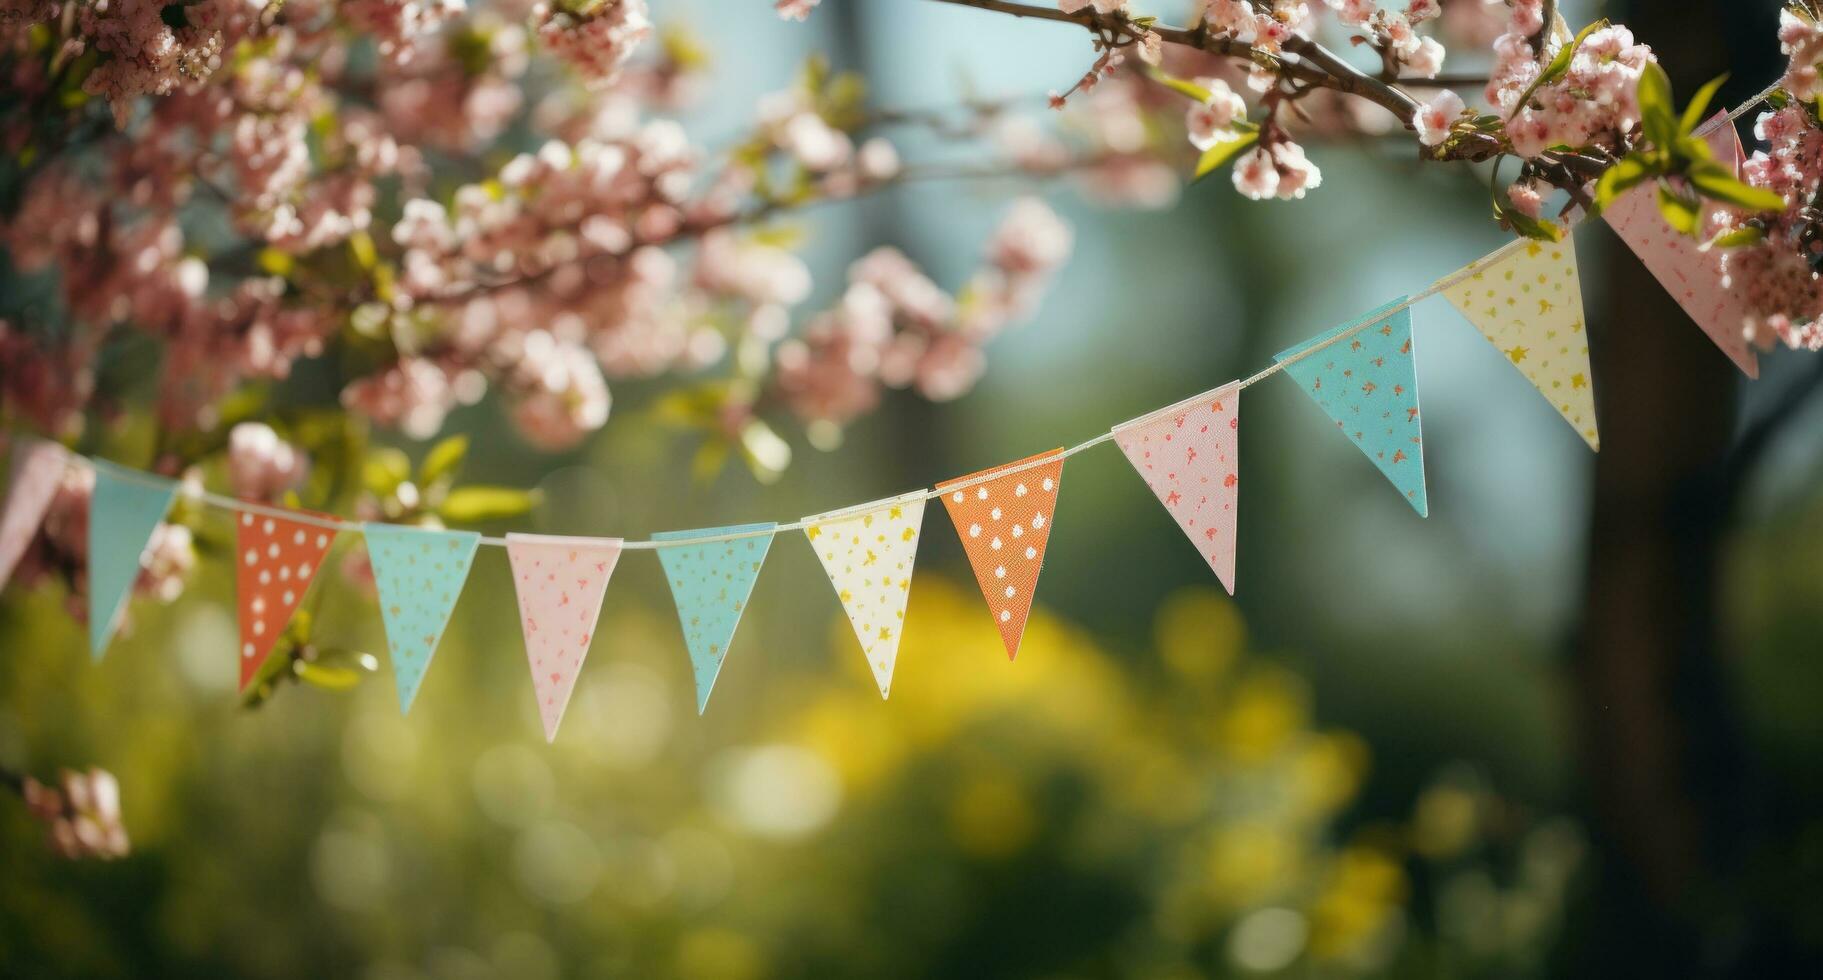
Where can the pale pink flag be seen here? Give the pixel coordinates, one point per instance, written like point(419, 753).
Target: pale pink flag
point(1189, 455)
point(36, 471)
point(1692, 277)
point(560, 582)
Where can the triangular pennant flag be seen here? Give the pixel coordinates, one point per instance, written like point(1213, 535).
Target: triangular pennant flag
point(1367, 381)
point(37, 469)
point(1189, 455)
point(868, 552)
point(125, 509)
point(1004, 521)
point(278, 559)
point(560, 582)
point(1692, 276)
point(1529, 306)
point(418, 572)
point(710, 582)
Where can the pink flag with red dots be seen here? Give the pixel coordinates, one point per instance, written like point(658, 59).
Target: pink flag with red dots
point(1005, 522)
point(1692, 276)
point(1188, 454)
point(37, 469)
point(278, 557)
point(560, 582)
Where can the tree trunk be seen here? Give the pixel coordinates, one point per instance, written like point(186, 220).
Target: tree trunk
point(1665, 771)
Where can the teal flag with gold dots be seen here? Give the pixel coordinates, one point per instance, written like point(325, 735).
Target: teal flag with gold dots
point(419, 573)
point(710, 582)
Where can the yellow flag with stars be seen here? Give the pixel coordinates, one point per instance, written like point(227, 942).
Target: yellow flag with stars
point(1528, 304)
point(868, 552)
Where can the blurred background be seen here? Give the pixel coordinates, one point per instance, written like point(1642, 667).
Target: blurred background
point(1566, 726)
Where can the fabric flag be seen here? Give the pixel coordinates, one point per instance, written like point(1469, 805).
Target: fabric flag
point(124, 511)
point(710, 582)
point(560, 582)
point(868, 552)
point(1189, 455)
point(418, 572)
point(1005, 521)
point(1367, 381)
point(37, 469)
point(279, 558)
point(1693, 277)
point(1529, 306)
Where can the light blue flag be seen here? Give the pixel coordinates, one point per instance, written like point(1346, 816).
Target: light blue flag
point(1368, 383)
point(124, 511)
point(419, 573)
point(710, 583)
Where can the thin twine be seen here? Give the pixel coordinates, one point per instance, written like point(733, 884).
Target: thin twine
point(195, 493)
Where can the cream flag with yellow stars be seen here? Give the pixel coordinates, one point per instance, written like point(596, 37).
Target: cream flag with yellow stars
point(1529, 305)
point(868, 552)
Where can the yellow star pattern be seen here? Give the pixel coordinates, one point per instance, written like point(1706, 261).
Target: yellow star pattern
point(868, 552)
point(1548, 346)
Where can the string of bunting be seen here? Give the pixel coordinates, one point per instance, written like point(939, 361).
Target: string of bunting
point(1524, 297)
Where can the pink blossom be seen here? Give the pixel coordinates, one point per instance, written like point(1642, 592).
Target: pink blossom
point(1527, 197)
point(1255, 176)
point(1354, 13)
point(1212, 120)
point(1419, 11)
point(1435, 119)
point(814, 143)
point(596, 42)
point(261, 466)
point(1297, 175)
point(560, 395)
point(1426, 60)
point(81, 815)
point(794, 9)
point(1802, 40)
point(1031, 240)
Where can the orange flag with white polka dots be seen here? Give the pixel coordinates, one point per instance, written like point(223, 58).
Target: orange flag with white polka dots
point(1004, 521)
point(278, 558)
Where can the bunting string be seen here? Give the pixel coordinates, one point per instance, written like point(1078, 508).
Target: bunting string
point(1367, 383)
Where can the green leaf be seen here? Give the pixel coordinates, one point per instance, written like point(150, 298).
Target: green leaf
point(1221, 153)
point(1631, 171)
point(1189, 90)
point(1693, 113)
point(1559, 66)
point(384, 469)
point(480, 504)
point(326, 677)
point(1681, 213)
point(1713, 180)
point(766, 455)
point(1739, 238)
point(1655, 109)
point(443, 459)
point(1528, 226)
point(274, 262)
point(709, 460)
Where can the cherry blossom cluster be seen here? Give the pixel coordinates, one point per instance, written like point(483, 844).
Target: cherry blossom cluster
point(1779, 273)
point(611, 252)
point(81, 814)
point(594, 37)
point(893, 327)
point(1594, 103)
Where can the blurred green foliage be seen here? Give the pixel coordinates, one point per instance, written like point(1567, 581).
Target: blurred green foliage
point(1079, 813)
